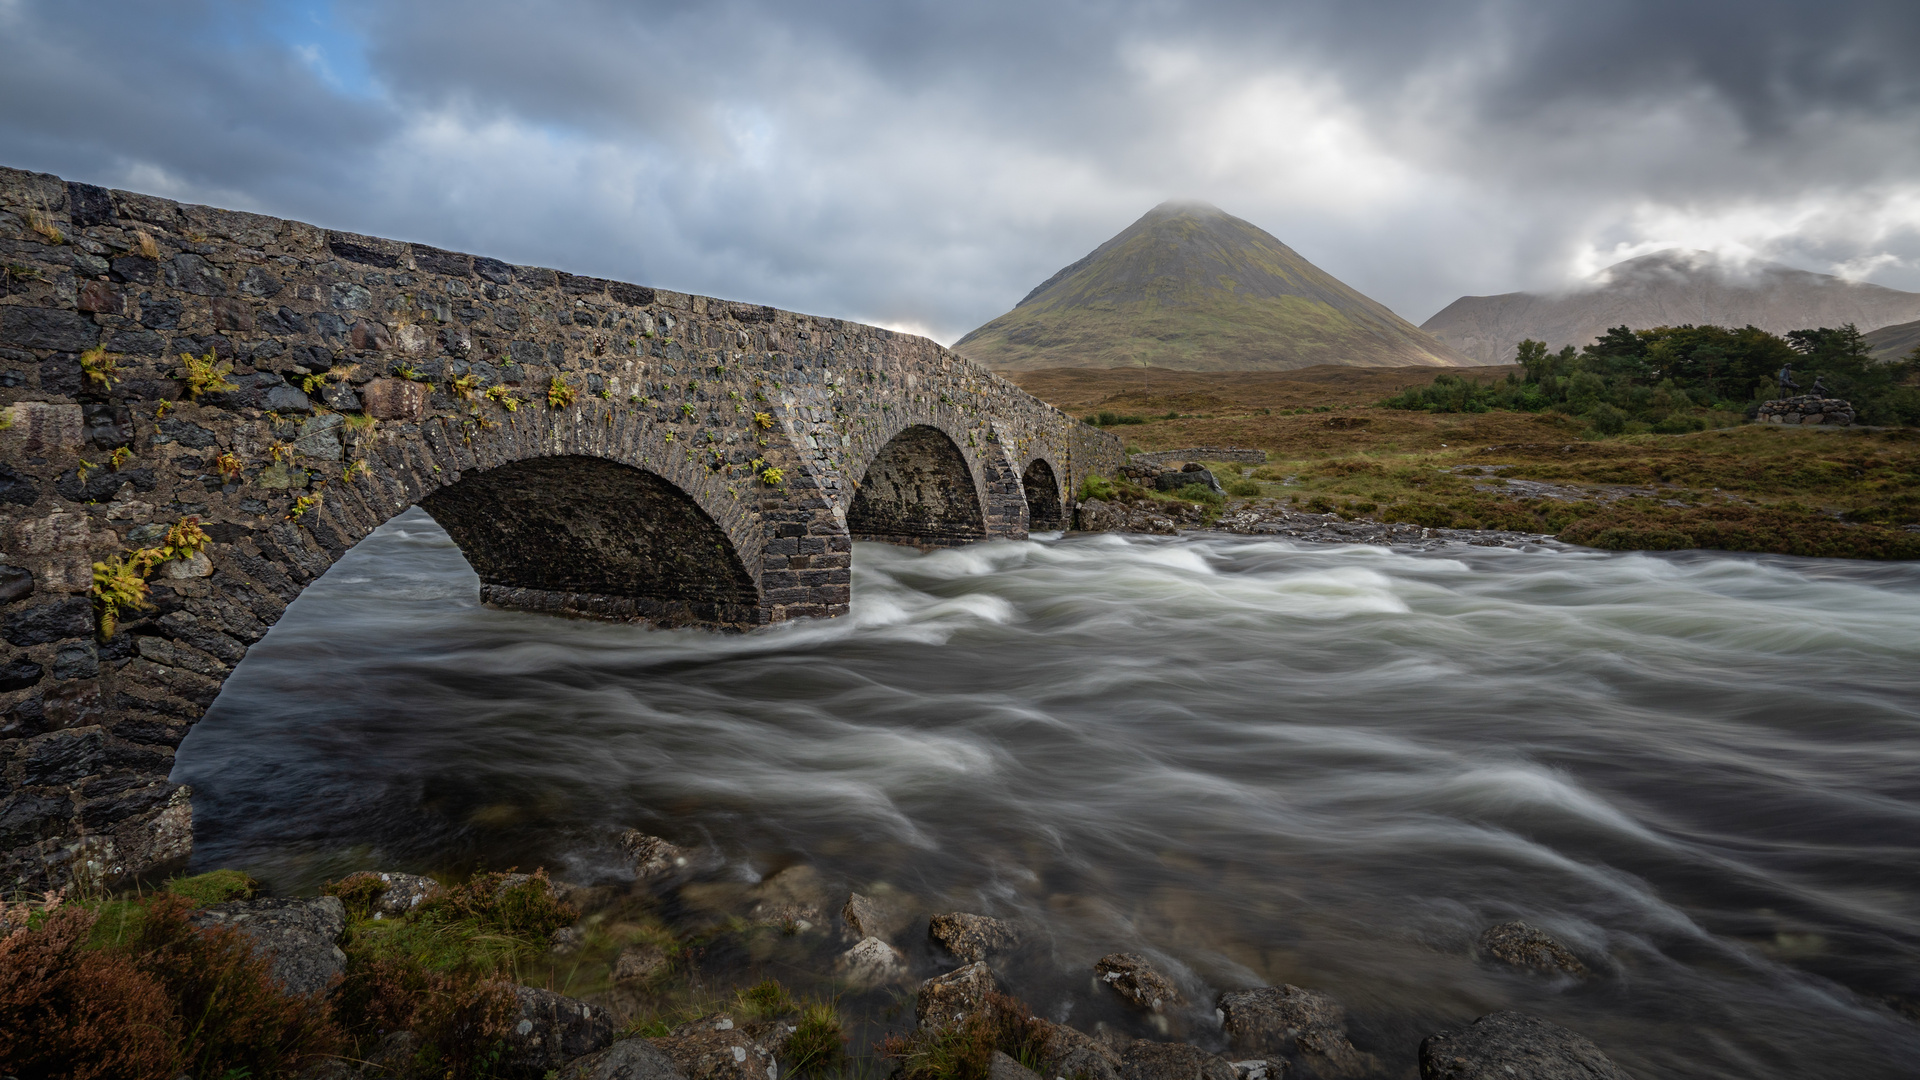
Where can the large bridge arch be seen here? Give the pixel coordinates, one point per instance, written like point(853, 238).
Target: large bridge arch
point(919, 489)
point(1046, 503)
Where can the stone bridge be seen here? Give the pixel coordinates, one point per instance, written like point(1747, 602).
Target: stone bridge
point(595, 448)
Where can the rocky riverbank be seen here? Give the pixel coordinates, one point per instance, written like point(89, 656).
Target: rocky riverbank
point(394, 975)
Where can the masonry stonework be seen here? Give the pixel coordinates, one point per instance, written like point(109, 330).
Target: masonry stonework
point(596, 448)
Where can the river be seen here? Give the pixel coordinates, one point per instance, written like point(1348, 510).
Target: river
point(1253, 761)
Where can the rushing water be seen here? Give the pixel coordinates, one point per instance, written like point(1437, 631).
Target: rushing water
point(1256, 761)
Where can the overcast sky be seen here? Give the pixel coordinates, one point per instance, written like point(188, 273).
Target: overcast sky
point(923, 164)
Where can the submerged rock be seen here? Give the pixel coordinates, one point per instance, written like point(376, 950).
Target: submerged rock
point(874, 917)
point(793, 897)
point(652, 858)
point(871, 963)
point(302, 936)
point(713, 1048)
point(1522, 946)
point(1506, 1045)
point(1134, 979)
point(1286, 1019)
point(548, 1029)
point(949, 1000)
point(628, 1059)
point(1260, 1069)
point(972, 938)
point(1149, 1060)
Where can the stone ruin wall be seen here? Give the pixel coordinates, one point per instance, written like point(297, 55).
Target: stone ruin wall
point(360, 368)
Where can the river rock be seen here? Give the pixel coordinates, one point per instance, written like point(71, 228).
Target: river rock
point(640, 961)
point(712, 1048)
point(628, 1059)
point(1260, 1069)
point(871, 963)
point(548, 1029)
point(1003, 1067)
point(1287, 1019)
point(874, 917)
point(1522, 946)
point(1071, 1052)
point(947, 1001)
point(1192, 474)
point(1134, 979)
point(794, 897)
point(1505, 1045)
point(972, 938)
point(302, 936)
point(652, 858)
point(402, 894)
point(1149, 1060)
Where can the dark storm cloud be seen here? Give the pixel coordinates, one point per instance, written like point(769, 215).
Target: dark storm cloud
point(924, 164)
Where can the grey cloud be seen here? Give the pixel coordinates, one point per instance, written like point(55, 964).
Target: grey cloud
point(926, 163)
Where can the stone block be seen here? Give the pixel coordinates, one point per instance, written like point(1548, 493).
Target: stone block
point(43, 429)
point(46, 328)
point(395, 399)
point(103, 298)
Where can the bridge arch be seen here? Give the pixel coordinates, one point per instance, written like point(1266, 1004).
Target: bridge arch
point(1046, 509)
point(919, 489)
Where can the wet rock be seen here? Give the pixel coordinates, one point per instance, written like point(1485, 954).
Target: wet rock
point(1097, 515)
point(628, 1059)
point(1522, 946)
point(1134, 979)
point(1260, 1069)
point(714, 1049)
point(564, 941)
point(1289, 1020)
point(1149, 1060)
point(1506, 1045)
point(552, 1029)
point(402, 894)
point(653, 858)
point(1071, 1052)
point(641, 961)
point(972, 938)
point(302, 936)
point(794, 897)
point(1002, 1067)
point(947, 1001)
point(871, 963)
point(874, 917)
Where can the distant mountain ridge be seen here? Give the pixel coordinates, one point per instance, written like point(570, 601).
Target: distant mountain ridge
point(1668, 288)
point(1189, 287)
point(1896, 341)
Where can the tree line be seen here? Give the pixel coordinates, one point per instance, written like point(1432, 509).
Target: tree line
point(1671, 379)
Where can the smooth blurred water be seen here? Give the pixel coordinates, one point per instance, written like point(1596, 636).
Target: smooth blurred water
point(1255, 761)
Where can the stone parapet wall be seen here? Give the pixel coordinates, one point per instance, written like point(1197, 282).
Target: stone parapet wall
point(1805, 409)
point(360, 376)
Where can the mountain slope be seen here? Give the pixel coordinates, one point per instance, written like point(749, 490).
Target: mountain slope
point(1190, 288)
point(1667, 288)
point(1895, 342)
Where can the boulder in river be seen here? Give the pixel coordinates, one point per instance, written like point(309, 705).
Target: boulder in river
point(1149, 1060)
point(874, 917)
point(794, 897)
point(1072, 1052)
point(972, 938)
point(628, 1059)
point(871, 963)
point(1505, 1045)
point(302, 936)
point(1522, 946)
point(713, 1048)
point(1136, 980)
point(1286, 1019)
point(548, 1030)
point(652, 858)
point(949, 1000)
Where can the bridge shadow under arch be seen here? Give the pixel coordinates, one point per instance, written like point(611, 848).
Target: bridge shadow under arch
point(918, 491)
point(1045, 509)
point(589, 536)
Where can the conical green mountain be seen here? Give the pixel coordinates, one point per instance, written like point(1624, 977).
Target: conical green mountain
point(1191, 288)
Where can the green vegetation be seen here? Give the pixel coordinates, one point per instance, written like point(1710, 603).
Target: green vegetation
point(204, 376)
point(214, 887)
point(1109, 419)
point(120, 584)
point(98, 367)
point(1671, 380)
point(965, 1052)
